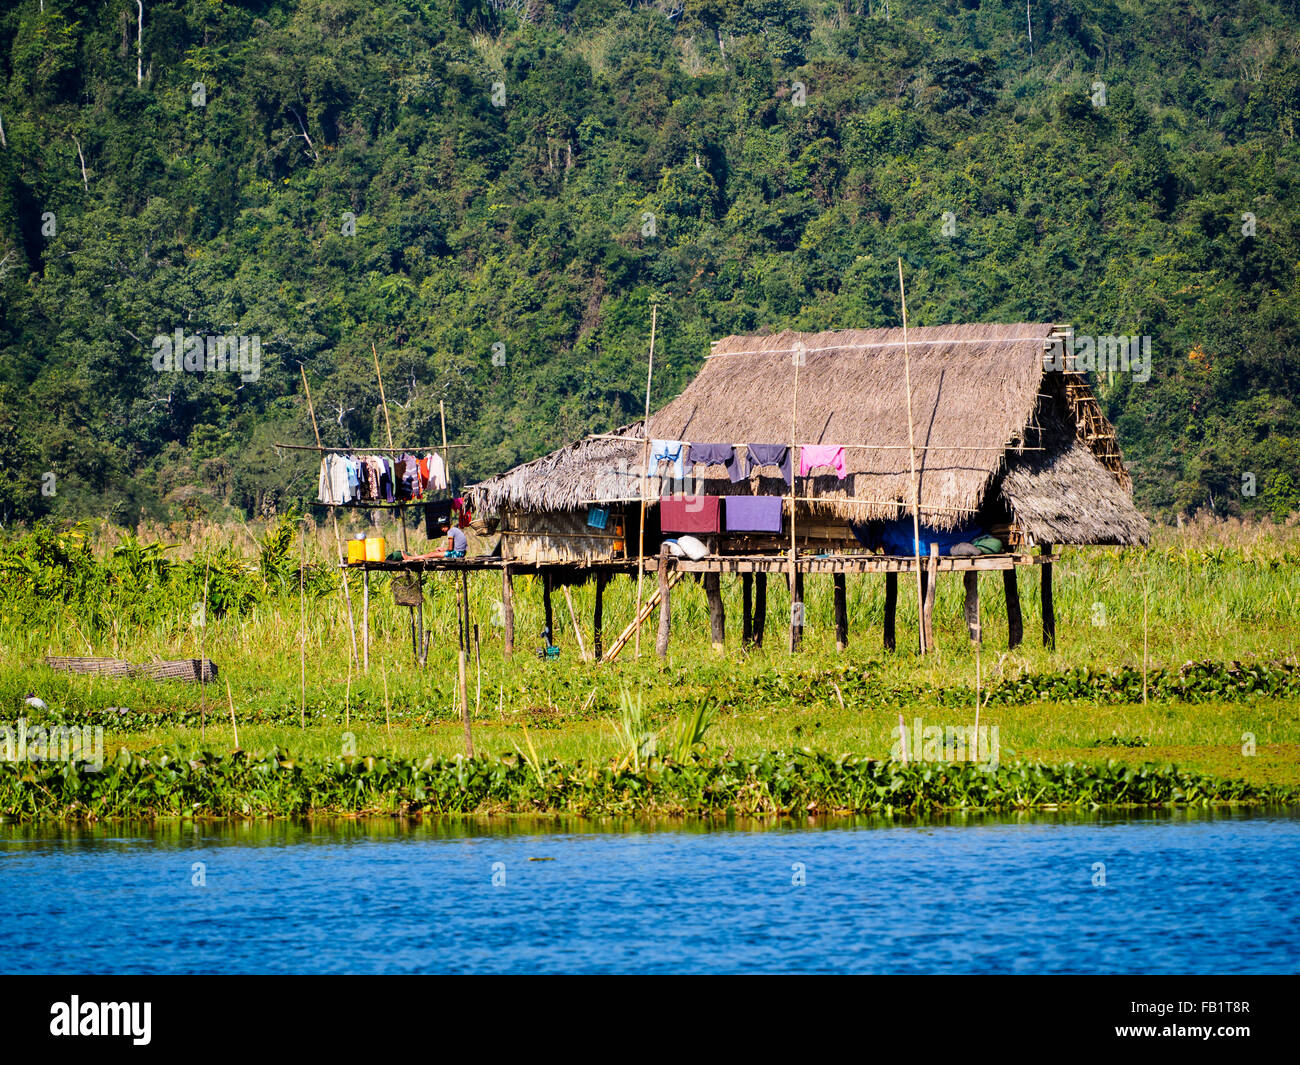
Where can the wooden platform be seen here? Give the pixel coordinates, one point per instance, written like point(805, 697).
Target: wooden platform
point(862, 563)
point(752, 569)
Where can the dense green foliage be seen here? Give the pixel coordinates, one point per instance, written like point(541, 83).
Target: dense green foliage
point(219, 195)
point(171, 782)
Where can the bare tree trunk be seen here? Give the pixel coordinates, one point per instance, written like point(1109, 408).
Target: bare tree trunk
point(80, 156)
point(139, 45)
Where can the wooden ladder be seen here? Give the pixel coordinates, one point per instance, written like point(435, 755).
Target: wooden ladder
point(647, 608)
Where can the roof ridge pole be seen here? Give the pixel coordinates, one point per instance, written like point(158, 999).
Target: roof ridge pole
point(334, 515)
point(911, 452)
point(645, 473)
point(401, 513)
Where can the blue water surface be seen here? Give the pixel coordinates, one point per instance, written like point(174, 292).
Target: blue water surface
point(1195, 893)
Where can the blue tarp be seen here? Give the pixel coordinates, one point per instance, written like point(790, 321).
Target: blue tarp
point(896, 537)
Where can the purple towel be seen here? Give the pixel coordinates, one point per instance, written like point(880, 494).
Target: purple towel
point(754, 514)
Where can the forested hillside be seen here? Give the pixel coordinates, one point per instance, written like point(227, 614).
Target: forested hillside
point(440, 177)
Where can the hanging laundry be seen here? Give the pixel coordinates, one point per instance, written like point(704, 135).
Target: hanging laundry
point(718, 455)
point(325, 483)
point(812, 455)
point(690, 514)
point(435, 471)
point(409, 477)
point(436, 515)
point(332, 484)
point(353, 467)
point(772, 455)
point(672, 450)
point(385, 493)
point(753, 514)
point(463, 512)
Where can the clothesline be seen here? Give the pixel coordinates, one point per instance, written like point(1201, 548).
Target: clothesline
point(357, 479)
point(883, 344)
point(798, 499)
point(855, 447)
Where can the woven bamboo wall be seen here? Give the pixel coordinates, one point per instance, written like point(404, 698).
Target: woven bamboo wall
point(556, 536)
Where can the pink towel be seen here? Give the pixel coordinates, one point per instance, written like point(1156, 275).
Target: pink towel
point(811, 455)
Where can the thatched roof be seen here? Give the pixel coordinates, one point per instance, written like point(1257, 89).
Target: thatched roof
point(591, 469)
point(1063, 494)
point(977, 403)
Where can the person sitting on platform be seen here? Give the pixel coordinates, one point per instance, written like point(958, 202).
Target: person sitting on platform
point(456, 545)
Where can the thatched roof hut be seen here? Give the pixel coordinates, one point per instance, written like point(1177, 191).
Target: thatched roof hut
point(996, 434)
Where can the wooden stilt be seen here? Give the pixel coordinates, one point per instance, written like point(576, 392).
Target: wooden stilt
point(1049, 611)
point(508, 609)
point(422, 654)
point(546, 605)
point(717, 616)
point(970, 580)
point(463, 654)
point(365, 620)
point(796, 614)
point(598, 617)
point(1015, 624)
point(747, 609)
point(841, 612)
point(665, 605)
point(931, 587)
point(760, 607)
point(891, 608)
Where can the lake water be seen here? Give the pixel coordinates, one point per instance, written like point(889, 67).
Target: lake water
point(1183, 892)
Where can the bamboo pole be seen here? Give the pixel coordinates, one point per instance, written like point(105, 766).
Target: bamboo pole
point(203, 635)
point(794, 473)
point(388, 724)
point(916, 485)
point(234, 727)
point(1144, 640)
point(573, 617)
point(302, 628)
point(846, 447)
point(338, 540)
point(642, 616)
point(428, 447)
point(388, 425)
point(507, 611)
point(645, 473)
point(446, 460)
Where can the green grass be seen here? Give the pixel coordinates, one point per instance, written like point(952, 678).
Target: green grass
point(1213, 594)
